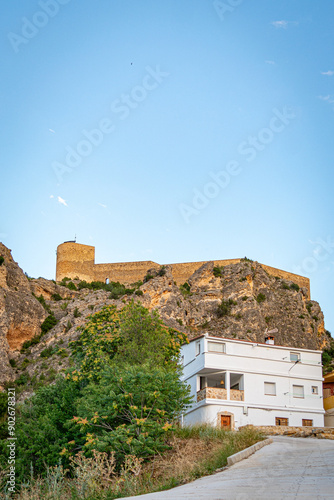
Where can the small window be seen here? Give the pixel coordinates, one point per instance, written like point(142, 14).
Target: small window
point(216, 347)
point(107, 281)
point(270, 388)
point(314, 389)
point(298, 391)
point(307, 423)
point(198, 348)
point(294, 356)
point(281, 421)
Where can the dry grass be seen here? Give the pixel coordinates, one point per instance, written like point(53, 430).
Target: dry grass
point(193, 452)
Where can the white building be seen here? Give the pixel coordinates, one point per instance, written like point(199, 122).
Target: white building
point(236, 383)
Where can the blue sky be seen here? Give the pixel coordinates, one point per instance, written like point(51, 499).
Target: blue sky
point(172, 131)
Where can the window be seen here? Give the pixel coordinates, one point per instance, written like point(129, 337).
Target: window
point(270, 388)
point(198, 348)
point(298, 391)
point(294, 356)
point(314, 389)
point(216, 347)
point(281, 421)
point(107, 281)
point(307, 423)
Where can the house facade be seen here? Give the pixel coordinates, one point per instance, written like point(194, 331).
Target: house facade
point(236, 383)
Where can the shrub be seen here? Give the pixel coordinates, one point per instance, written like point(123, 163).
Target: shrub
point(285, 286)
point(68, 326)
point(12, 363)
point(44, 304)
point(245, 259)
point(2, 260)
point(48, 352)
point(185, 289)
point(76, 313)
point(218, 271)
point(224, 308)
point(48, 323)
point(162, 271)
point(260, 298)
point(315, 318)
point(180, 322)
point(295, 287)
point(309, 307)
point(56, 296)
point(139, 292)
point(71, 286)
point(23, 379)
point(267, 319)
point(28, 343)
point(148, 277)
point(244, 298)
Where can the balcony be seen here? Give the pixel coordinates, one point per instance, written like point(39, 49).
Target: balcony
point(219, 393)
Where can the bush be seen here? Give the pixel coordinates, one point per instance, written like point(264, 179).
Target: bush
point(56, 296)
point(260, 298)
point(309, 307)
point(48, 352)
point(76, 313)
point(48, 323)
point(162, 271)
point(285, 286)
point(224, 308)
point(148, 277)
point(23, 379)
point(218, 271)
point(68, 326)
point(139, 292)
point(185, 289)
point(2, 260)
point(71, 286)
point(28, 343)
point(295, 287)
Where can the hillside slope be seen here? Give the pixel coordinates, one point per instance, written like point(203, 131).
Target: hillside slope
point(237, 301)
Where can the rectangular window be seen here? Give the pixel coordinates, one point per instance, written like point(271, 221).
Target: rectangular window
point(216, 347)
point(307, 423)
point(298, 391)
point(314, 389)
point(270, 388)
point(294, 356)
point(281, 421)
point(198, 348)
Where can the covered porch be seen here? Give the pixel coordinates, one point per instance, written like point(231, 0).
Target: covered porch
point(225, 385)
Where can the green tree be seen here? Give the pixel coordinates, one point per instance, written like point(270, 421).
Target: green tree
point(132, 411)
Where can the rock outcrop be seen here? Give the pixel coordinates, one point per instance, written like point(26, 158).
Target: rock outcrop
point(240, 301)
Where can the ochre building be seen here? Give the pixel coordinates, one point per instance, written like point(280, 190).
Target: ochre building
point(75, 260)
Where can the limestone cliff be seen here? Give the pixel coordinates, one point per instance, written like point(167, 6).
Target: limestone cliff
point(240, 300)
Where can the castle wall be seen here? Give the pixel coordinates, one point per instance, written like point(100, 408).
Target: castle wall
point(124, 272)
point(76, 260)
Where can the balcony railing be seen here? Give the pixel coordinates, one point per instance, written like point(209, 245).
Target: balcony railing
point(218, 393)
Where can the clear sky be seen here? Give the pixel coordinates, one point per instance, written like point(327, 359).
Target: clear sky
point(170, 130)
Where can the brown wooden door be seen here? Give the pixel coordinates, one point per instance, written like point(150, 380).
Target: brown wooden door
point(225, 421)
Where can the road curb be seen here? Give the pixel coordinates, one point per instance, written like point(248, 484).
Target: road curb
point(237, 457)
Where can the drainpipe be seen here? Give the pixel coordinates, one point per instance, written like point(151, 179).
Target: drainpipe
point(227, 377)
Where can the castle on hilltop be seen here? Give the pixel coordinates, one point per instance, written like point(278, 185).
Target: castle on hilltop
point(75, 260)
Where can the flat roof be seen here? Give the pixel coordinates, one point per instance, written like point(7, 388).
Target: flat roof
point(242, 341)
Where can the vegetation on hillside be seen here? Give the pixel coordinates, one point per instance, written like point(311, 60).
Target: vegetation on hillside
point(122, 397)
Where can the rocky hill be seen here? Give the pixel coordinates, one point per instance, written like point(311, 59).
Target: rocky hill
point(39, 317)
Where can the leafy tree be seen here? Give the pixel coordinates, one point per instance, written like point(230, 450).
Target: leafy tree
point(131, 411)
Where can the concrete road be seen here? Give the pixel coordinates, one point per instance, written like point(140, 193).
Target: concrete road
point(289, 468)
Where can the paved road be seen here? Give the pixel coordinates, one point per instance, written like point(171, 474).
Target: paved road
point(289, 468)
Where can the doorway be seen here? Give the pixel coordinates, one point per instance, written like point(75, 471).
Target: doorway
point(225, 421)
